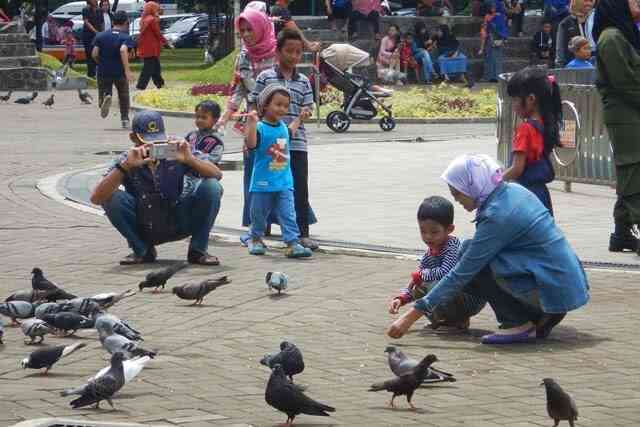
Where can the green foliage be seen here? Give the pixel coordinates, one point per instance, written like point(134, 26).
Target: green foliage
point(219, 73)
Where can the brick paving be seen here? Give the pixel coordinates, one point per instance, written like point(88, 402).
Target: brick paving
point(207, 371)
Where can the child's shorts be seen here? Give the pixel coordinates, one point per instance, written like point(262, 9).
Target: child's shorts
point(462, 307)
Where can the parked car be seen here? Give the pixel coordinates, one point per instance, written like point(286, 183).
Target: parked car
point(166, 21)
point(74, 9)
point(190, 32)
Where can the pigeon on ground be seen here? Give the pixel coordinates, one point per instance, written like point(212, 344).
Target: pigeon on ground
point(41, 283)
point(33, 328)
point(16, 310)
point(115, 343)
point(276, 280)
point(131, 368)
point(47, 308)
point(5, 98)
point(85, 306)
point(157, 279)
point(85, 97)
point(28, 295)
point(286, 397)
point(101, 388)
point(197, 291)
point(109, 299)
point(1, 331)
point(401, 365)
point(26, 99)
point(560, 405)
point(49, 101)
point(117, 325)
point(406, 385)
point(66, 322)
point(47, 357)
point(289, 358)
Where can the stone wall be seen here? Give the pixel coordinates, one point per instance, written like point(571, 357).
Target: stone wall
point(19, 63)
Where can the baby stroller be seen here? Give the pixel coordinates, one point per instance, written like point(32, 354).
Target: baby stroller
point(360, 101)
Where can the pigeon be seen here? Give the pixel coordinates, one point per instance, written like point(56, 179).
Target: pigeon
point(49, 101)
point(5, 98)
point(47, 357)
point(115, 343)
point(1, 331)
point(407, 384)
point(401, 365)
point(157, 279)
point(47, 308)
point(16, 310)
point(560, 406)
point(109, 299)
point(67, 321)
point(85, 306)
point(41, 283)
point(33, 328)
point(26, 99)
point(118, 326)
point(131, 368)
point(197, 291)
point(28, 295)
point(286, 397)
point(101, 388)
point(85, 97)
point(277, 281)
point(289, 358)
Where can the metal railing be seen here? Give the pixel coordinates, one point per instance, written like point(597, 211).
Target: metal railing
point(585, 154)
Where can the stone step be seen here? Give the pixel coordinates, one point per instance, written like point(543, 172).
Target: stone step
point(25, 78)
point(17, 49)
point(19, 61)
point(14, 38)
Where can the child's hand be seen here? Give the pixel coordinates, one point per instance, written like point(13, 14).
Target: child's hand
point(394, 305)
point(305, 114)
point(252, 117)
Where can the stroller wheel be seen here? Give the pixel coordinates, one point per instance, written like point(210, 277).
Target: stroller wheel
point(387, 124)
point(338, 121)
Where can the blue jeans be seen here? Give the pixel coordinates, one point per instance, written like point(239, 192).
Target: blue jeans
point(492, 62)
point(424, 58)
point(195, 216)
point(279, 202)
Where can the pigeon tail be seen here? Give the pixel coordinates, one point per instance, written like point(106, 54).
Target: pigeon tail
point(377, 387)
point(70, 349)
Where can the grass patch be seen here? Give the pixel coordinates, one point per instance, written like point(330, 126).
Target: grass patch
point(51, 63)
point(219, 73)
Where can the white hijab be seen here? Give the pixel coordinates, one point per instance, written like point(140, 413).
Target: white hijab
point(474, 175)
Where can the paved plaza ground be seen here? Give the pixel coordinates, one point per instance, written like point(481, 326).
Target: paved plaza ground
point(365, 190)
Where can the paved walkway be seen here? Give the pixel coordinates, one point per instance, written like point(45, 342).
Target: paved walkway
point(207, 372)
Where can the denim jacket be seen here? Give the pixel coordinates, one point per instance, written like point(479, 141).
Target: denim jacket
point(519, 241)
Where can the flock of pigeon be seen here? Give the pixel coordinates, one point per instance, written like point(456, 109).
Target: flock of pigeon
point(85, 98)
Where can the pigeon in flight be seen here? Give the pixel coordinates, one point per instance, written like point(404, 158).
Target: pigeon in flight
point(197, 291)
point(560, 405)
point(47, 357)
point(289, 358)
point(157, 279)
point(101, 388)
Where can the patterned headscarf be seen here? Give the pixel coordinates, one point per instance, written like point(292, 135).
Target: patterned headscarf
point(474, 175)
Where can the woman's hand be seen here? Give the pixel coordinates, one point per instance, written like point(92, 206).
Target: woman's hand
point(402, 325)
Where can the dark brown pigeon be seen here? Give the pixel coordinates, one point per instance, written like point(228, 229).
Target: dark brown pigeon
point(289, 358)
point(560, 405)
point(101, 388)
point(47, 357)
point(197, 291)
point(157, 279)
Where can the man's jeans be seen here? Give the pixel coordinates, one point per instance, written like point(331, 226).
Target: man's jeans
point(195, 214)
point(424, 58)
point(493, 62)
point(282, 204)
point(105, 87)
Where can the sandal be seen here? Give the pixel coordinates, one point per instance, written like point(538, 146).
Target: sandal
point(133, 259)
point(202, 259)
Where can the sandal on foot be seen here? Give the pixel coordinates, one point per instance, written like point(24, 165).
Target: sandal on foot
point(202, 259)
point(133, 259)
point(298, 251)
point(520, 337)
point(547, 323)
point(256, 247)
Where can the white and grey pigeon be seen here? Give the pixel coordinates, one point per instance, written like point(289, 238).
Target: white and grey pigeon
point(117, 325)
point(35, 328)
point(109, 299)
point(401, 365)
point(47, 308)
point(16, 310)
point(131, 368)
point(49, 356)
point(85, 306)
point(115, 343)
point(101, 388)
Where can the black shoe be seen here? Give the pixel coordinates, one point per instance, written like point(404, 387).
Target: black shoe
point(547, 323)
point(620, 243)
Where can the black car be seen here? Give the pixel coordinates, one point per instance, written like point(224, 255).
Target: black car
point(190, 32)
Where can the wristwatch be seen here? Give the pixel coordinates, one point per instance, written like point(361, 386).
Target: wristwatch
point(121, 168)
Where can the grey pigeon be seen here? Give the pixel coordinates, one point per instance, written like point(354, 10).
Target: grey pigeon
point(407, 384)
point(47, 308)
point(131, 368)
point(85, 306)
point(66, 322)
point(85, 97)
point(197, 291)
point(401, 365)
point(47, 357)
point(118, 326)
point(286, 397)
point(115, 343)
point(49, 101)
point(109, 299)
point(289, 358)
point(560, 405)
point(41, 283)
point(5, 98)
point(26, 99)
point(28, 295)
point(276, 280)
point(35, 328)
point(1, 331)
point(101, 388)
point(16, 310)
point(157, 279)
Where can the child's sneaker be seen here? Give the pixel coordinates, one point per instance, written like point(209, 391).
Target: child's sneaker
point(296, 250)
point(256, 247)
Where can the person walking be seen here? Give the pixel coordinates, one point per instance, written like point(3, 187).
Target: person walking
point(93, 24)
point(150, 43)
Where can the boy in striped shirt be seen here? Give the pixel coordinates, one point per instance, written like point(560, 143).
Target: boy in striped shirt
point(435, 219)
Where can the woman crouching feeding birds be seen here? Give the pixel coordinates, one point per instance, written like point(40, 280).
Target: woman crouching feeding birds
point(518, 260)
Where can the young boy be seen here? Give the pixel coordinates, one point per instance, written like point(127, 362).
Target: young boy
point(289, 53)
point(582, 53)
point(206, 139)
point(542, 43)
point(435, 219)
point(111, 52)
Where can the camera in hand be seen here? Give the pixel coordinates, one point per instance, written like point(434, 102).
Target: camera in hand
point(163, 151)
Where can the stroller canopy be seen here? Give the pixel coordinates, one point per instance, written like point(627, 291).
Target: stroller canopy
point(344, 56)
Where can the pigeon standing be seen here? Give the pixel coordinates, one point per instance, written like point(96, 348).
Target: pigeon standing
point(1, 331)
point(120, 327)
point(41, 283)
point(35, 328)
point(47, 308)
point(157, 279)
point(276, 280)
point(286, 397)
point(407, 384)
point(560, 405)
point(26, 99)
point(131, 368)
point(197, 291)
point(5, 98)
point(101, 388)
point(85, 97)
point(109, 299)
point(401, 365)
point(16, 310)
point(28, 295)
point(66, 322)
point(289, 358)
point(115, 343)
point(49, 101)
point(84, 306)
point(47, 357)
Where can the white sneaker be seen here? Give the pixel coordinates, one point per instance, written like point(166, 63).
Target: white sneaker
point(106, 105)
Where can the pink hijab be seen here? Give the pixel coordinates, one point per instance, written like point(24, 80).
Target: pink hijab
point(474, 175)
point(262, 27)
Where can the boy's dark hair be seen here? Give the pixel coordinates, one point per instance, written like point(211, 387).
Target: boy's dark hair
point(437, 209)
point(288, 34)
point(210, 107)
point(120, 18)
point(534, 81)
point(546, 21)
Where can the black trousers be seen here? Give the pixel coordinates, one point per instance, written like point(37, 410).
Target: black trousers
point(300, 172)
point(105, 87)
point(91, 64)
point(373, 18)
point(150, 70)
